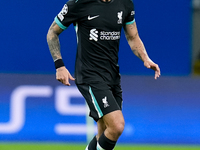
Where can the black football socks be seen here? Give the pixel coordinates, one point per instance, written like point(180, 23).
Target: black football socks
point(105, 144)
point(93, 144)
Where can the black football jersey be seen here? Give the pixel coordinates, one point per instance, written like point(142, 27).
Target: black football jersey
point(98, 27)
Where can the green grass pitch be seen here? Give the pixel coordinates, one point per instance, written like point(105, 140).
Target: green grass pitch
point(57, 146)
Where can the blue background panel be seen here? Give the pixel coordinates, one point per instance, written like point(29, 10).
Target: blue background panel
point(156, 111)
point(164, 27)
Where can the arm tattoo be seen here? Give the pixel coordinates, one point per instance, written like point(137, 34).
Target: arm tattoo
point(53, 42)
point(131, 28)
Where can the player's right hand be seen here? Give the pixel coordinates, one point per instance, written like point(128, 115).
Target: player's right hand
point(63, 75)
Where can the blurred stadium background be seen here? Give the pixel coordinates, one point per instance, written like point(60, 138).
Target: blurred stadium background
point(34, 107)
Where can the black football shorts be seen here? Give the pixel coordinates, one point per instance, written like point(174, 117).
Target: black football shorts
point(101, 98)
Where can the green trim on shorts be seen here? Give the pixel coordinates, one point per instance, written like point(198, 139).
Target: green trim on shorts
point(96, 105)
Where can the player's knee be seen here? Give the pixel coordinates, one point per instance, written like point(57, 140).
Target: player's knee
point(115, 124)
point(117, 128)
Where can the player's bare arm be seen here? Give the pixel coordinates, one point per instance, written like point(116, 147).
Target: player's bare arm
point(62, 74)
point(138, 47)
point(53, 41)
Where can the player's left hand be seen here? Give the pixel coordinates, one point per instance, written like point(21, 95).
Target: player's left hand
point(151, 65)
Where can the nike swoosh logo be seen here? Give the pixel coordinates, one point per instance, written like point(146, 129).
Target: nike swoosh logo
point(90, 18)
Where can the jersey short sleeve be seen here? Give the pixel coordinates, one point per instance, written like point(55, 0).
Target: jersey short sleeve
point(131, 13)
point(68, 14)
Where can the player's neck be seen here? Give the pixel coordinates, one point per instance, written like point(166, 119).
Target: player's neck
point(106, 0)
